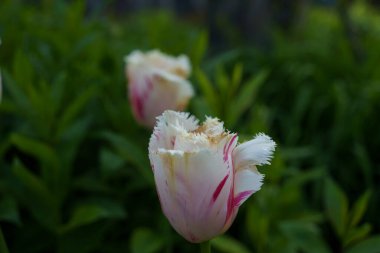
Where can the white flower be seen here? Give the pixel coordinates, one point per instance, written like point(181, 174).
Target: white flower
point(202, 176)
point(157, 82)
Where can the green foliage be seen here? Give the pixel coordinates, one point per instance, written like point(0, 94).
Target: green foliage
point(344, 221)
point(370, 245)
point(336, 207)
point(225, 100)
point(140, 239)
point(3, 245)
point(74, 171)
point(229, 245)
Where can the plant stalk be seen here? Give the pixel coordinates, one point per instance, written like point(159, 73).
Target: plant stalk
point(206, 247)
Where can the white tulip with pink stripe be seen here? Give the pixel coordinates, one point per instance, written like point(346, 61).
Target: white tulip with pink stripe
point(157, 82)
point(202, 175)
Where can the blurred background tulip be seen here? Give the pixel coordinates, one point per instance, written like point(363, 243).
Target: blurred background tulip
point(157, 82)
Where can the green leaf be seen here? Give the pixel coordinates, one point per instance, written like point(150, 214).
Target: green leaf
point(199, 48)
point(362, 155)
point(258, 227)
point(336, 206)
point(83, 239)
point(237, 75)
point(110, 162)
point(23, 74)
point(34, 185)
point(1, 86)
point(357, 234)
point(227, 244)
point(57, 90)
point(132, 153)
point(36, 148)
point(143, 240)
point(33, 193)
point(207, 90)
point(370, 245)
point(200, 107)
point(22, 70)
point(92, 212)
point(3, 244)
point(45, 155)
point(19, 103)
point(70, 140)
point(245, 98)
point(91, 184)
point(222, 81)
point(359, 209)
point(75, 108)
point(9, 210)
point(307, 176)
point(304, 235)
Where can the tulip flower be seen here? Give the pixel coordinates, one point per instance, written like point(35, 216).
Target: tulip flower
point(157, 82)
point(202, 175)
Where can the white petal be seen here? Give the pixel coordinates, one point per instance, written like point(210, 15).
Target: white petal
point(176, 65)
point(156, 82)
point(153, 92)
point(194, 189)
point(213, 126)
point(258, 151)
point(169, 125)
point(134, 57)
point(190, 142)
point(247, 182)
point(178, 120)
point(183, 89)
point(246, 156)
point(155, 59)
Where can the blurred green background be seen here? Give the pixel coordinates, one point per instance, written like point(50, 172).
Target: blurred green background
point(74, 171)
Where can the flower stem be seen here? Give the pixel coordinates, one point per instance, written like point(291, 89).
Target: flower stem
point(205, 247)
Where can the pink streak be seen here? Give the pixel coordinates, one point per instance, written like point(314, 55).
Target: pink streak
point(139, 97)
point(226, 150)
point(240, 197)
point(230, 204)
point(138, 103)
point(219, 188)
point(172, 141)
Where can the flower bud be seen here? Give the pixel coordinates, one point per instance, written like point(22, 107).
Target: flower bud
point(157, 82)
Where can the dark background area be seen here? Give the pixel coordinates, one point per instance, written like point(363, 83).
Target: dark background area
point(74, 169)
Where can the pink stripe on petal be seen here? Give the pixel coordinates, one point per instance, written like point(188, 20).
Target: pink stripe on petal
point(219, 188)
point(230, 144)
point(234, 202)
point(226, 151)
point(138, 104)
point(230, 205)
point(148, 89)
point(224, 148)
point(241, 196)
point(192, 237)
point(172, 141)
